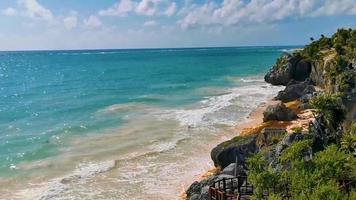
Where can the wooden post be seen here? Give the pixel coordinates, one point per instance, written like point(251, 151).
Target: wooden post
point(236, 163)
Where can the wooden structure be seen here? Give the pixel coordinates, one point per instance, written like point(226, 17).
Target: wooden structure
point(236, 188)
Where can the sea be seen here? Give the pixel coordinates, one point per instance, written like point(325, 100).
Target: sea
point(122, 124)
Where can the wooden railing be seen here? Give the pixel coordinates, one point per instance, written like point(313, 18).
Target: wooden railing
point(238, 188)
point(230, 189)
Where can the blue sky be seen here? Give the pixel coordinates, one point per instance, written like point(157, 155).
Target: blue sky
point(92, 24)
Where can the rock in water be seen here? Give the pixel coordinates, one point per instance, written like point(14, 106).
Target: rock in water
point(278, 112)
point(241, 147)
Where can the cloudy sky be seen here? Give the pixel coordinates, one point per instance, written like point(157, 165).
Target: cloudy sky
point(89, 24)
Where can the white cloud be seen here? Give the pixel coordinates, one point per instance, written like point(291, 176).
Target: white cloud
point(172, 8)
point(36, 10)
point(141, 7)
point(120, 8)
point(70, 22)
point(92, 22)
point(240, 12)
point(148, 7)
point(9, 12)
point(332, 7)
point(150, 23)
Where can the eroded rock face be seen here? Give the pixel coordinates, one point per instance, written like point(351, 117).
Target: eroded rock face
point(280, 73)
point(295, 90)
point(301, 70)
point(278, 112)
point(288, 68)
point(241, 147)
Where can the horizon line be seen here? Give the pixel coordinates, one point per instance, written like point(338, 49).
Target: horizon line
point(150, 48)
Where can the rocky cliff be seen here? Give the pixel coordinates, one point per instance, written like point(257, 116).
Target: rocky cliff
point(320, 76)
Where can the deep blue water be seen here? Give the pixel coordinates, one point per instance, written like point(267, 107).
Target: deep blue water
point(47, 95)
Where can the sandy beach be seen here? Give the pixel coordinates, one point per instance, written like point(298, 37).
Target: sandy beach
point(254, 125)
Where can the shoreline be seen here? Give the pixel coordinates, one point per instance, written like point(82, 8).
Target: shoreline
point(254, 124)
point(254, 118)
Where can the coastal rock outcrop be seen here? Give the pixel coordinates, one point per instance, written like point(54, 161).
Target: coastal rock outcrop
point(280, 73)
point(240, 148)
point(278, 112)
point(295, 90)
point(287, 68)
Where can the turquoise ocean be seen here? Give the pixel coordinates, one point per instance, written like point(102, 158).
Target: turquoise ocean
point(121, 124)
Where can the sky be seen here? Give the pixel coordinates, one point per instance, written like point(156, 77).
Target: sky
point(117, 24)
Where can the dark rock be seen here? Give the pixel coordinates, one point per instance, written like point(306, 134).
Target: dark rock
point(281, 72)
point(295, 90)
point(288, 68)
point(274, 154)
point(194, 197)
point(301, 71)
point(305, 100)
point(194, 189)
point(278, 112)
point(232, 168)
point(287, 141)
point(241, 147)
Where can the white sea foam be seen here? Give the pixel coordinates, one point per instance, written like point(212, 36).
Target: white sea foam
point(57, 187)
point(147, 167)
point(291, 50)
point(251, 80)
point(224, 109)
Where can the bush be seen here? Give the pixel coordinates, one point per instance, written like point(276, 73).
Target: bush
point(296, 151)
point(260, 175)
point(327, 191)
point(330, 106)
point(348, 140)
point(333, 164)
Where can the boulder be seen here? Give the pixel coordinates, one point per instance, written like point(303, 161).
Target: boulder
point(240, 147)
point(278, 112)
point(294, 91)
point(289, 67)
point(233, 168)
point(281, 72)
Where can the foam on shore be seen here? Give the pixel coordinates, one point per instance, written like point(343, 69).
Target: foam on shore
point(154, 155)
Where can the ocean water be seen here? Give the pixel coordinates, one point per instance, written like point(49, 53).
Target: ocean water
point(121, 124)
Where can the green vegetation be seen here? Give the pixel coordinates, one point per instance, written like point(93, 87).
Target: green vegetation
point(342, 48)
point(236, 140)
point(330, 106)
point(312, 171)
point(315, 178)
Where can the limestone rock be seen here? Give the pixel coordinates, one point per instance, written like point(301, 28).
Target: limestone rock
point(241, 147)
point(278, 112)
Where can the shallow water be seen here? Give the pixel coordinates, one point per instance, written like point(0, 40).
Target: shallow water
point(121, 124)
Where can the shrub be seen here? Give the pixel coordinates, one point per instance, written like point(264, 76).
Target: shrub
point(348, 140)
point(327, 191)
point(333, 164)
point(260, 175)
point(329, 105)
point(297, 129)
point(296, 151)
